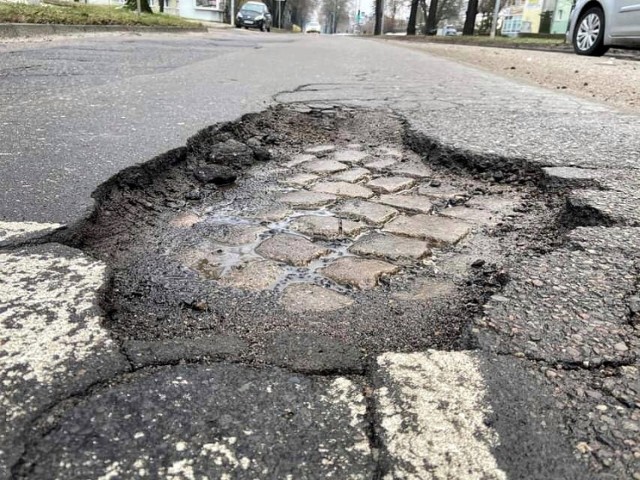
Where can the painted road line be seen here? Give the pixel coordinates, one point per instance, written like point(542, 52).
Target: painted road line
point(12, 231)
point(432, 410)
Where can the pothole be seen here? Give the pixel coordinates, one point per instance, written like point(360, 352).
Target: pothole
point(344, 237)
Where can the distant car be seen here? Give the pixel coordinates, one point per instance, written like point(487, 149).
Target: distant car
point(254, 15)
point(597, 25)
point(450, 31)
point(312, 27)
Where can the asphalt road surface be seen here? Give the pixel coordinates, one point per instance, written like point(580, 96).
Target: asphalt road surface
point(400, 267)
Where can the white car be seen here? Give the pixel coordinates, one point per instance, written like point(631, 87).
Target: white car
point(597, 25)
point(312, 27)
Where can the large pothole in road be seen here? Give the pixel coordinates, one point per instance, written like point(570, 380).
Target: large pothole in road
point(335, 242)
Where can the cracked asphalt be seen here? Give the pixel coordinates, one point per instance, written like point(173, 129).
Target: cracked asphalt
point(190, 317)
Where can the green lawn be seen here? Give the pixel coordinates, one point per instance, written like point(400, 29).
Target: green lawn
point(79, 14)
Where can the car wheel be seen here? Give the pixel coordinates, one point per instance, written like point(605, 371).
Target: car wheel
point(269, 29)
point(588, 37)
point(262, 27)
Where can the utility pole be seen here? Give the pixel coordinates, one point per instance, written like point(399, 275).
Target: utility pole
point(382, 19)
point(138, 7)
point(232, 17)
point(494, 22)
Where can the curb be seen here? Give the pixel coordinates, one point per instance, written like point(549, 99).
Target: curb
point(15, 30)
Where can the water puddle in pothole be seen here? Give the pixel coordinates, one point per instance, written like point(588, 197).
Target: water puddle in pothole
point(218, 259)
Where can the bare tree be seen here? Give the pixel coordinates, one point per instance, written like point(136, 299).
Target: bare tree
point(432, 21)
point(413, 13)
point(470, 20)
point(392, 7)
point(377, 29)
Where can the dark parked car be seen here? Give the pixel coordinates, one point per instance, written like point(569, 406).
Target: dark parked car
point(254, 15)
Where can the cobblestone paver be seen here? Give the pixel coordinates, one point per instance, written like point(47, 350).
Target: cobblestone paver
point(358, 272)
point(411, 203)
point(390, 184)
point(336, 224)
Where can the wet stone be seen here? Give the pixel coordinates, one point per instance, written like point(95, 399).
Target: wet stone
point(381, 164)
point(392, 247)
point(411, 203)
point(343, 189)
point(216, 174)
point(352, 176)
point(327, 228)
point(350, 156)
point(320, 150)
point(254, 275)
point(290, 249)
point(371, 213)
point(184, 220)
point(308, 200)
point(301, 179)
point(472, 215)
point(389, 152)
point(438, 231)
point(390, 184)
point(492, 203)
point(232, 233)
point(204, 262)
point(358, 272)
point(325, 166)
point(413, 170)
point(231, 152)
point(274, 214)
point(300, 159)
point(444, 192)
point(422, 289)
point(304, 297)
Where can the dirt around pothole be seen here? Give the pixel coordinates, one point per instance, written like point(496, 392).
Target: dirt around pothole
point(333, 233)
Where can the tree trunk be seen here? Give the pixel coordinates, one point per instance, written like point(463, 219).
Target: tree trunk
point(423, 8)
point(411, 26)
point(377, 29)
point(470, 21)
point(144, 6)
point(432, 21)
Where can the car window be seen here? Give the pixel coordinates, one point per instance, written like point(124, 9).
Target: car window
point(252, 7)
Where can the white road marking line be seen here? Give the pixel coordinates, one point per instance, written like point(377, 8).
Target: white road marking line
point(432, 408)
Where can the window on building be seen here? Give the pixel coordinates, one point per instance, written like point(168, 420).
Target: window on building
point(560, 14)
point(511, 24)
point(206, 3)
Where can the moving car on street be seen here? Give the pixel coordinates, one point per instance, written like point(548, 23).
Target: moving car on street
point(312, 27)
point(254, 15)
point(597, 25)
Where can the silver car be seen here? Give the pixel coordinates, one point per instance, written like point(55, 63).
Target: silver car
point(597, 25)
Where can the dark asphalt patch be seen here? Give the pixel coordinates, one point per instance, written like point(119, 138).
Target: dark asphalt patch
point(218, 421)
